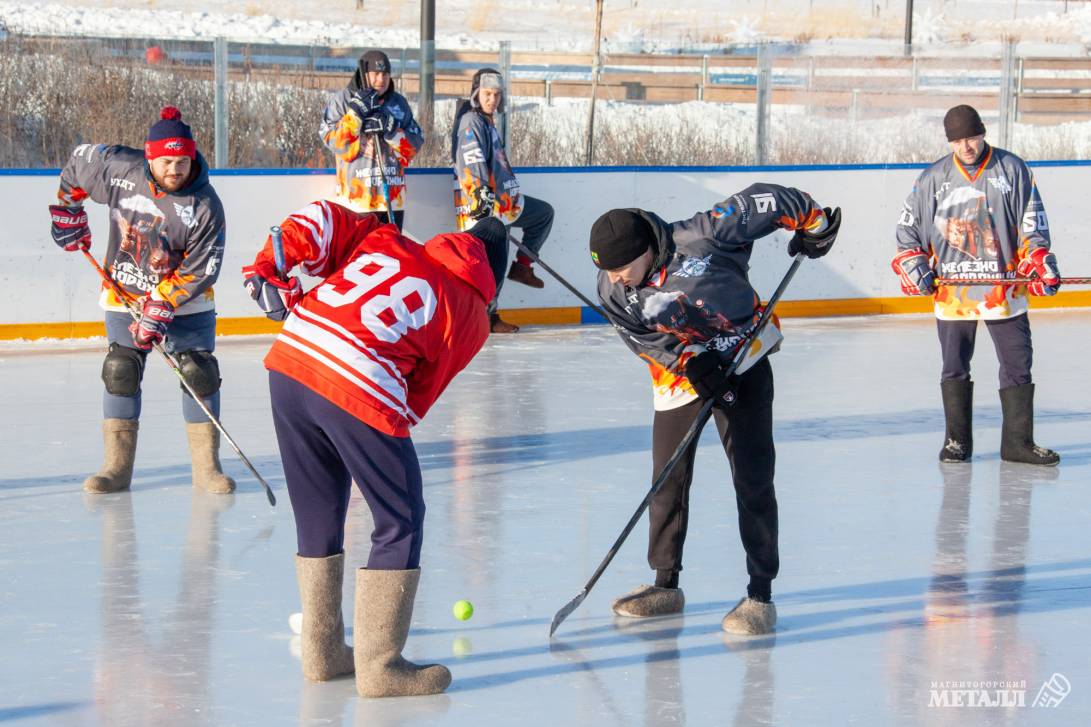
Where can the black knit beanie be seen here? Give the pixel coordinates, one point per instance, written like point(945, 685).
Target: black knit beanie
point(618, 238)
point(962, 122)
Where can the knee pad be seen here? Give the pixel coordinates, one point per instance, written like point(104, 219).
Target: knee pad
point(122, 370)
point(201, 371)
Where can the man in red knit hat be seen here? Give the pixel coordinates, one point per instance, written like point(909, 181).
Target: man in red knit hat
point(164, 252)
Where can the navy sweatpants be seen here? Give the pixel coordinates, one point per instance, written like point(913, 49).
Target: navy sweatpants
point(325, 449)
point(1011, 338)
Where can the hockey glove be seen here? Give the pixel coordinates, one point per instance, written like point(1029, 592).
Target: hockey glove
point(817, 244)
point(274, 296)
point(378, 121)
point(484, 201)
point(915, 272)
point(155, 317)
point(70, 230)
point(1040, 263)
point(707, 375)
point(362, 103)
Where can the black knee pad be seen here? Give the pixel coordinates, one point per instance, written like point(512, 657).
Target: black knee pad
point(122, 370)
point(201, 371)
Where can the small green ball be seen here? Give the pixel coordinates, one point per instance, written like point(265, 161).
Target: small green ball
point(463, 610)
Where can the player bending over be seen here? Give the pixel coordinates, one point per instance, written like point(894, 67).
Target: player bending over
point(360, 360)
point(679, 297)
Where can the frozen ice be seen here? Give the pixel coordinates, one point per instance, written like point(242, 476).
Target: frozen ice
point(900, 579)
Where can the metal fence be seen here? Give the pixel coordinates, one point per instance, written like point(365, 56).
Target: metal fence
point(260, 105)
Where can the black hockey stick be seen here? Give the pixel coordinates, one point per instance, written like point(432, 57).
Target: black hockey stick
point(694, 431)
point(177, 369)
point(380, 159)
point(534, 256)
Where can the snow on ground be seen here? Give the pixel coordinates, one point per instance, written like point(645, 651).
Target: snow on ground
point(567, 25)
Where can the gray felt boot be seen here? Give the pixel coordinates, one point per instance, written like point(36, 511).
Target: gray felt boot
point(751, 617)
point(204, 450)
point(119, 442)
point(647, 601)
point(384, 609)
point(325, 654)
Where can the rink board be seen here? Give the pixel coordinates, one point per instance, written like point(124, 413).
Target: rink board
point(51, 294)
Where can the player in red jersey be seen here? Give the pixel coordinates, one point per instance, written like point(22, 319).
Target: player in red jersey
point(360, 360)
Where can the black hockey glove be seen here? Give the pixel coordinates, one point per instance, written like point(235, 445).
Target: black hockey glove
point(484, 201)
point(362, 103)
point(817, 244)
point(708, 376)
point(378, 121)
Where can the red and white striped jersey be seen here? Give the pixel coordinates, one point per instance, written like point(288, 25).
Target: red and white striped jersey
point(391, 323)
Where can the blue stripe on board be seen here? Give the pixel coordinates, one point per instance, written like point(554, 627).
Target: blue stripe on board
point(588, 315)
point(245, 172)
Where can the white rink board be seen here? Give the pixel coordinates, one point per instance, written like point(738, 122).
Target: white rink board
point(44, 285)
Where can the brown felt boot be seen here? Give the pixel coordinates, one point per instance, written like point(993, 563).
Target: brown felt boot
point(119, 440)
point(523, 273)
point(384, 608)
point(751, 617)
point(325, 654)
point(496, 325)
point(647, 601)
point(204, 451)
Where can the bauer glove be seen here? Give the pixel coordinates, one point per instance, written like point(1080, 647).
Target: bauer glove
point(274, 296)
point(70, 230)
point(915, 272)
point(1040, 263)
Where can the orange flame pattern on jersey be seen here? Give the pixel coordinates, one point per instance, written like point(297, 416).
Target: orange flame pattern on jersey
point(803, 221)
point(346, 137)
point(173, 289)
point(72, 196)
point(665, 380)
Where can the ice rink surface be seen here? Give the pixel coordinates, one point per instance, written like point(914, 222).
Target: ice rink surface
point(900, 578)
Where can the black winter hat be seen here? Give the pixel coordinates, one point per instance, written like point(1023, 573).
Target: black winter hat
point(375, 60)
point(962, 122)
point(619, 237)
point(372, 60)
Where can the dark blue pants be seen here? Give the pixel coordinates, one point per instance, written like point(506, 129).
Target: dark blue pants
point(1011, 338)
point(325, 449)
point(195, 332)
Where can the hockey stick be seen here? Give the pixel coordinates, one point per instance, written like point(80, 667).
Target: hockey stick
point(687, 440)
point(377, 139)
point(534, 256)
point(1008, 281)
point(278, 250)
point(174, 366)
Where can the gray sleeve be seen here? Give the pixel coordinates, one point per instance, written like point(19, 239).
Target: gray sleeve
point(86, 175)
point(751, 214)
point(473, 155)
point(1030, 213)
point(409, 125)
point(916, 218)
point(332, 130)
point(203, 258)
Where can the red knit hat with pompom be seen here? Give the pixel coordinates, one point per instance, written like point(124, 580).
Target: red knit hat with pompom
point(170, 137)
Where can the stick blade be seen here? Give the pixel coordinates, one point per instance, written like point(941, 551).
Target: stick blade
point(566, 610)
